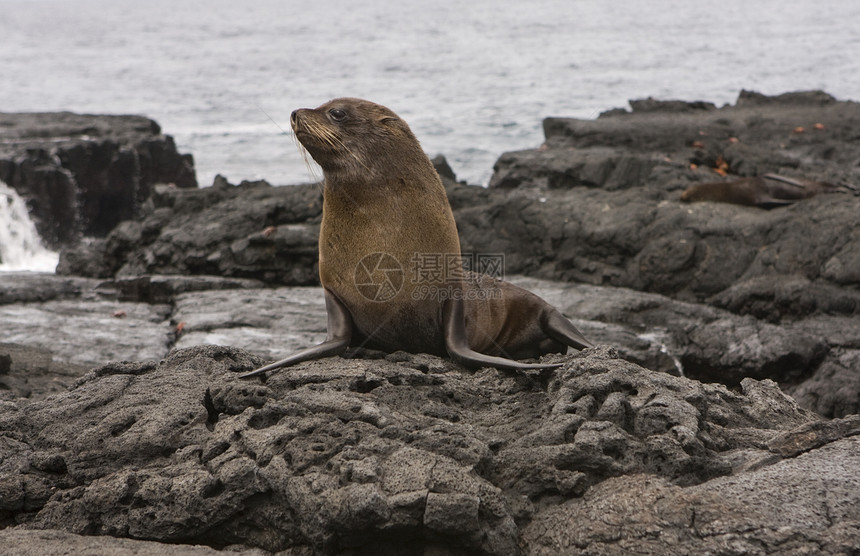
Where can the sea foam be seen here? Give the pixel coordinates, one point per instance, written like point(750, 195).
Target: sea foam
point(21, 248)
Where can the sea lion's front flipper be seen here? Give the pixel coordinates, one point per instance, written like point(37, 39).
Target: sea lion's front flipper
point(771, 202)
point(849, 187)
point(339, 325)
point(559, 328)
point(457, 345)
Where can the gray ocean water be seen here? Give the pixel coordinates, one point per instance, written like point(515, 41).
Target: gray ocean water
point(473, 79)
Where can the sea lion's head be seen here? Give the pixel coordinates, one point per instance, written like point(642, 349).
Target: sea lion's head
point(690, 194)
point(350, 137)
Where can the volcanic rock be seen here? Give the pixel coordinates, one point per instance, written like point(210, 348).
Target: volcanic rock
point(83, 174)
point(411, 452)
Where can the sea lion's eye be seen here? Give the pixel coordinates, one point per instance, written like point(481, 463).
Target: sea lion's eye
point(337, 114)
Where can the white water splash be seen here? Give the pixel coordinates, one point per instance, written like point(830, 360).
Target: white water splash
point(21, 247)
point(661, 338)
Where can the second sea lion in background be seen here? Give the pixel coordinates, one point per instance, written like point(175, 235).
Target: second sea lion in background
point(766, 191)
point(389, 254)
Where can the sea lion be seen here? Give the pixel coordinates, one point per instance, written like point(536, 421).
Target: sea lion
point(389, 254)
point(766, 191)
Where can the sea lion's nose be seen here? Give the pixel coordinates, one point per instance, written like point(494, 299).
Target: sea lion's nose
point(293, 116)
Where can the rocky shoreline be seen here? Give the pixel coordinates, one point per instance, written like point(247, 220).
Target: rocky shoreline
point(81, 175)
point(722, 419)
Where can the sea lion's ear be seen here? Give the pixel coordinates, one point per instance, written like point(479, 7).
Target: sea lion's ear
point(387, 119)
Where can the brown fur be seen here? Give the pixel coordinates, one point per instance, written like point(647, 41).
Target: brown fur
point(767, 191)
point(382, 195)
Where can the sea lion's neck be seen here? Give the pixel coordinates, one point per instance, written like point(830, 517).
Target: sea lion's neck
point(400, 205)
point(385, 184)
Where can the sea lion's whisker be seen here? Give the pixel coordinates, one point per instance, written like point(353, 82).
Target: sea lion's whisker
point(333, 140)
point(307, 160)
point(302, 150)
point(270, 118)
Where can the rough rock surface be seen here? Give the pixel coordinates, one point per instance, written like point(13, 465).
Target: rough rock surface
point(83, 174)
point(411, 452)
point(31, 372)
point(55, 328)
point(53, 542)
point(391, 453)
point(598, 203)
point(78, 321)
point(144, 317)
point(644, 514)
point(252, 230)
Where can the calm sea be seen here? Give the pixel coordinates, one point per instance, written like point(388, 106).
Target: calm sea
point(473, 79)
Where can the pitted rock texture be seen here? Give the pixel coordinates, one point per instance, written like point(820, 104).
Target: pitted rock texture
point(372, 455)
point(815, 495)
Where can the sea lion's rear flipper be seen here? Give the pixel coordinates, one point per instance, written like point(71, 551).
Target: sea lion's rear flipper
point(339, 325)
point(457, 345)
point(795, 182)
point(557, 327)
